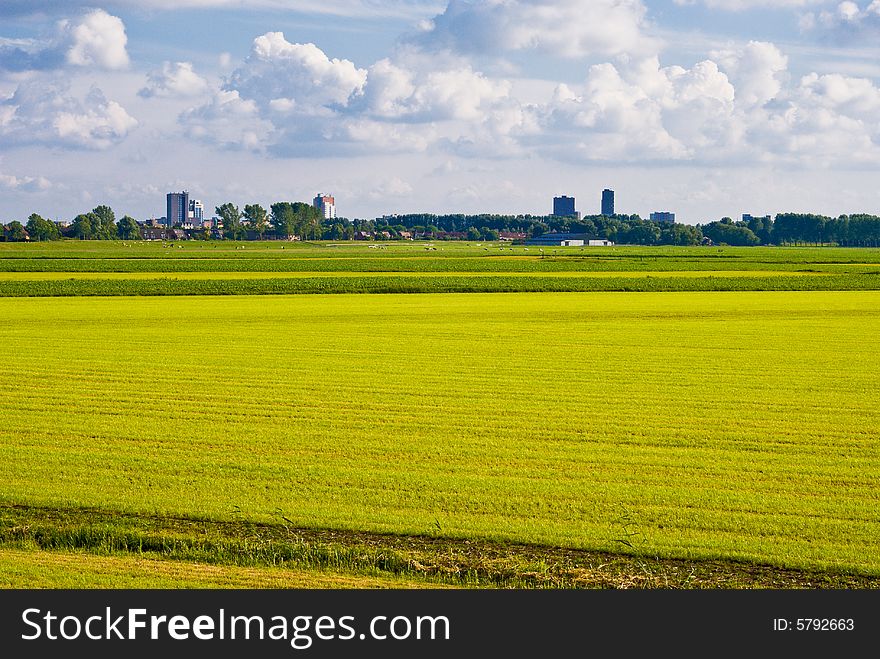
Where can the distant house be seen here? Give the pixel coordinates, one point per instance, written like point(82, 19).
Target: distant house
point(567, 240)
point(511, 235)
point(153, 232)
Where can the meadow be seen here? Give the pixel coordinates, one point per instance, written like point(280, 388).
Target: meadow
point(95, 268)
point(532, 438)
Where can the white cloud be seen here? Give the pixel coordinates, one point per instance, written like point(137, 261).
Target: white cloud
point(97, 39)
point(642, 112)
point(854, 97)
point(176, 79)
point(741, 5)
point(302, 99)
point(44, 112)
point(392, 187)
point(847, 19)
point(14, 183)
point(758, 70)
point(395, 91)
point(230, 121)
point(570, 28)
point(93, 40)
point(277, 70)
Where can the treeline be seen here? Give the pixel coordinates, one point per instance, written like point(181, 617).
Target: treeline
point(98, 224)
point(286, 220)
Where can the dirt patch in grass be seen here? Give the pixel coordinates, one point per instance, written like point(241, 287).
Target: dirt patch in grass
point(434, 560)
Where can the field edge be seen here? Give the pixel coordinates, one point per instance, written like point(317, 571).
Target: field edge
point(418, 561)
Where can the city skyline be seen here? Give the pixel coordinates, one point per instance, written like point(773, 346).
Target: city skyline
point(704, 108)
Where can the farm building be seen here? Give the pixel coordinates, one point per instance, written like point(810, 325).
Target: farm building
point(567, 240)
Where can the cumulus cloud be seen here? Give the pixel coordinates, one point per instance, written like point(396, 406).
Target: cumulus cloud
point(12, 183)
point(741, 5)
point(45, 112)
point(393, 187)
point(406, 93)
point(758, 70)
point(295, 75)
point(230, 121)
point(303, 99)
point(854, 97)
point(848, 19)
point(570, 28)
point(176, 79)
point(643, 112)
point(95, 39)
point(738, 106)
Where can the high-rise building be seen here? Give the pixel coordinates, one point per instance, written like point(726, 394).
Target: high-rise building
point(326, 204)
point(563, 206)
point(196, 211)
point(608, 202)
point(663, 216)
point(178, 208)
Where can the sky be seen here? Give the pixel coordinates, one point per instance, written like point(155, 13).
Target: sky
point(705, 108)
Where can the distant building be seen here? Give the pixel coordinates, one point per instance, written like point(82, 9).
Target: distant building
point(608, 202)
point(196, 211)
point(326, 204)
point(149, 232)
point(564, 206)
point(178, 208)
point(663, 216)
point(566, 240)
point(747, 217)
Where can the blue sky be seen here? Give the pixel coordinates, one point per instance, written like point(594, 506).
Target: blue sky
point(706, 108)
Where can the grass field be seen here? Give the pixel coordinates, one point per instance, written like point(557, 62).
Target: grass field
point(72, 269)
point(60, 569)
point(737, 427)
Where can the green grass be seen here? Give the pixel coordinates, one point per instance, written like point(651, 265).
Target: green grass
point(736, 426)
point(27, 568)
point(433, 283)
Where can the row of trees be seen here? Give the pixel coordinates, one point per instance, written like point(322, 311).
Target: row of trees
point(301, 220)
point(98, 224)
point(286, 219)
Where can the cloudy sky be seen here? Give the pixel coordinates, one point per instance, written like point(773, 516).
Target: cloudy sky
point(702, 107)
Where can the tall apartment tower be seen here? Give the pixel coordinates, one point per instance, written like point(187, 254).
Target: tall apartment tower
point(326, 204)
point(608, 202)
point(563, 206)
point(196, 211)
point(178, 208)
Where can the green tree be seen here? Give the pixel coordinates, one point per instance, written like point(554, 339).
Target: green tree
point(728, 233)
point(128, 228)
point(230, 216)
point(257, 219)
point(473, 233)
point(283, 219)
point(15, 232)
point(681, 234)
point(296, 219)
point(488, 234)
point(106, 226)
point(85, 226)
point(39, 228)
